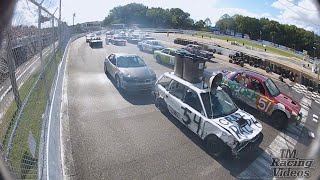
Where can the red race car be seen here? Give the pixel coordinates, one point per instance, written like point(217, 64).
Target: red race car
point(261, 93)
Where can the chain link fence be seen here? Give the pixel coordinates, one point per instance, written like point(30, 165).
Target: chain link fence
point(29, 58)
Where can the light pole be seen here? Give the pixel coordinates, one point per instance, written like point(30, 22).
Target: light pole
point(314, 52)
point(73, 16)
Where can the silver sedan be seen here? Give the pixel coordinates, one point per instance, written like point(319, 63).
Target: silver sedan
point(129, 72)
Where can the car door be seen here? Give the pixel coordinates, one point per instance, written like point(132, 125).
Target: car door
point(192, 111)
point(164, 56)
point(174, 98)
point(241, 91)
point(262, 102)
point(171, 56)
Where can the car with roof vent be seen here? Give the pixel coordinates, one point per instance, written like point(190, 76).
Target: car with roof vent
point(210, 113)
point(261, 93)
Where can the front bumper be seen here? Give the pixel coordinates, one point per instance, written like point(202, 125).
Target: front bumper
point(133, 86)
point(248, 146)
point(296, 119)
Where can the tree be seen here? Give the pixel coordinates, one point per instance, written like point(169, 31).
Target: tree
point(207, 22)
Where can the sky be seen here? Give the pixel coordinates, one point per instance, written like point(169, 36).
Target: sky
point(302, 13)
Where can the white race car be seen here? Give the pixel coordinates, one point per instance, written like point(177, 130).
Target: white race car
point(210, 113)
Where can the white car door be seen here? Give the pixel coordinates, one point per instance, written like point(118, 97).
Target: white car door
point(192, 112)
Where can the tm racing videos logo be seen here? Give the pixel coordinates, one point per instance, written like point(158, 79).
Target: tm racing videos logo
point(289, 165)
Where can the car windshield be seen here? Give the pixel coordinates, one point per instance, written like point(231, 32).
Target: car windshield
point(130, 61)
point(156, 43)
point(218, 104)
point(272, 88)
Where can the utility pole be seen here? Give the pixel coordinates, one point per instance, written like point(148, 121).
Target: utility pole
point(59, 24)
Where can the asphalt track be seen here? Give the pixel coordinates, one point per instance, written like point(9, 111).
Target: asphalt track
point(124, 136)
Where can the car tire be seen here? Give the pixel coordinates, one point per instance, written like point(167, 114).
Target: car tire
point(279, 120)
point(215, 146)
point(158, 60)
point(161, 105)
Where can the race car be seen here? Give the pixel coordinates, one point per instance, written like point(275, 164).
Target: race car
point(150, 45)
point(165, 56)
point(118, 40)
point(198, 50)
point(261, 93)
point(96, 42)
point(130, 72)
point(134, 39)
point(210, 113)
point(89, 37)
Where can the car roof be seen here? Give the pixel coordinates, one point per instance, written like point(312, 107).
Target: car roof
point(171, 49)
point(123, 54)
point(254, 74)
point(197, 87)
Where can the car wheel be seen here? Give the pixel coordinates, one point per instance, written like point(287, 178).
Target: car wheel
point(215, 146)
point(158, 60)
point(161, 105)
point(279, 120)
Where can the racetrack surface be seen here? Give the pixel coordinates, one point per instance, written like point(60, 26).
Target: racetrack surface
point(124, 136)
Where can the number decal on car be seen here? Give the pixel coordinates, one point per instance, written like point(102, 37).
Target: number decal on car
point(264, 104)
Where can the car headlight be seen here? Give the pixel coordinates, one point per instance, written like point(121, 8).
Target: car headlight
point(127, 77)
point(294, 114)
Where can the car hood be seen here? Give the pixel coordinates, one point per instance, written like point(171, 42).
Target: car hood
point(138, 72)
point(288, 102)
point(240, 124)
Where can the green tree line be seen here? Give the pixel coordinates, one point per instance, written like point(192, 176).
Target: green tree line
point(153, 17)
point(283, 34)
point(270, 30)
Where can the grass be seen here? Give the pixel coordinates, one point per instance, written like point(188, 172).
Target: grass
point(21, 159)
point(248, 43)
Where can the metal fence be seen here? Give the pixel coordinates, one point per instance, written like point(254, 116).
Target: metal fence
point(29, 57)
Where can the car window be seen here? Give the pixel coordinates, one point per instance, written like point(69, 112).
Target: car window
point(218, 104)
point(192, 99)
point(130, 61)
point(243, 79)
point(272, 88)
point(177, 89)
point(164, 81)
point(112, 59)
point(166, 51)
point(172, 53)
point(257, 86)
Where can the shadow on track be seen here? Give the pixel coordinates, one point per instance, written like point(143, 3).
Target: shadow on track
point(233, 165)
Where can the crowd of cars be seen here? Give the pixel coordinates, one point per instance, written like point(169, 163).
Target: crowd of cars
point(206, 107)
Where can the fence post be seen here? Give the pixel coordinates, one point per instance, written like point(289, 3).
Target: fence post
point(40, 52)
point(11, 68)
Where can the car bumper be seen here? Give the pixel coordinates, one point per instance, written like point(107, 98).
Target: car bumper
point(137, 87)
point(296, 119)
point(250, 146)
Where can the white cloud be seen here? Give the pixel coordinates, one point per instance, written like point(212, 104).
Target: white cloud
point(303, 13)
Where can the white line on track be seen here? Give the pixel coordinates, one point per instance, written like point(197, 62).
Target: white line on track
point(50, 115)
